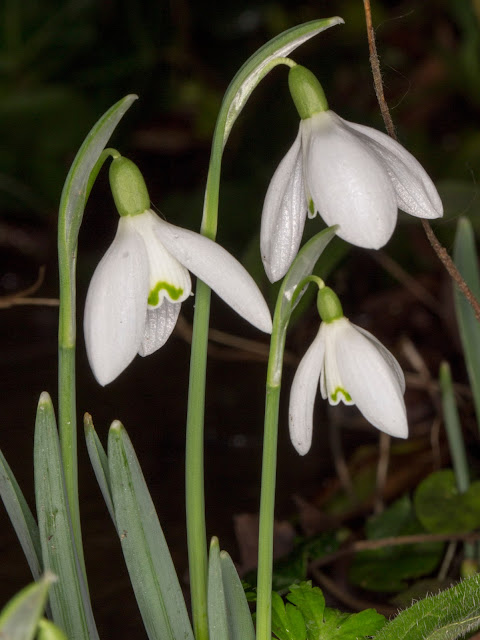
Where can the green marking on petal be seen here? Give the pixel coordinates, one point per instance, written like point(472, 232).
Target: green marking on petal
point(344, 393)
point(173, 292)
point(311, 207)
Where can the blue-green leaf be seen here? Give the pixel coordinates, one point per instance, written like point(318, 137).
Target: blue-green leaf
point(69, 598)
point(146, 553)
point(240, 622)
point(99, 461)
point(217, 608)
point(20, 616)
point(21, 517)
point(465, 257)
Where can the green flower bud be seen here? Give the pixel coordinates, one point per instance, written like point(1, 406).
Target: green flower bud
point(328, 305)
point(128, 187)
point(306, 91)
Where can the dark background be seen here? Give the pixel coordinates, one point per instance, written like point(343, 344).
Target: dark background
point(60, 69)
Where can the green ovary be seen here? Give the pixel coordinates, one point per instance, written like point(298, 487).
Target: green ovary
point(344, 393)
point(173, 292)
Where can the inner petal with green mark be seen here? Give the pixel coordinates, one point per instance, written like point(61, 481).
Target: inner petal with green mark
point(168, 277)
point(339, 391)
point(174, 293)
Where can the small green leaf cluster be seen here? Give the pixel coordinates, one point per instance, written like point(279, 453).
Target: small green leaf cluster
point(305, 617)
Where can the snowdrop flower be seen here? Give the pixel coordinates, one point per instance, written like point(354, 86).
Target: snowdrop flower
point(136, 291)
point(352, 175)
point(351, 366)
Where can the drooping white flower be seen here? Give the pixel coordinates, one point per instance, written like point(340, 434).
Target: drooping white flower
point(352, 175)
point(347, 364)
point(136, 292)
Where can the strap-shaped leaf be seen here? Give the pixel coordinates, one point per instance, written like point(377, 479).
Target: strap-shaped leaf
point(238, 612)
point(99, 461)
point(21, 518)
point(465, 257)
point(229, 615)
point(217, 608)
point(20, 616)
point(146, 553)
point(69, 598)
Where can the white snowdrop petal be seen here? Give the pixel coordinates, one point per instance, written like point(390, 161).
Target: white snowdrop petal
point(116, 305)
point(371, 382)
point(158, 327)
point(348, 183)
point(284, 213)
point(169, 280)
point(389, 358)
point(302, 395)
point(219, 270)
point(416, 193)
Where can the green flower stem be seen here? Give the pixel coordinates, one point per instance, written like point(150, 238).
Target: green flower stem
point(269, 470)
point(244, 82)
point(194, 476)
point(67, 417)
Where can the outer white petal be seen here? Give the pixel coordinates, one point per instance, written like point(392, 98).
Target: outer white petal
point(169, 280)
point(349, 184)
point(284, 213)
point(388, 357)
point(371, 382)
point(302, 395)
point(159, 325)
point(416, 193)
point(116, 305)
point(219, 270)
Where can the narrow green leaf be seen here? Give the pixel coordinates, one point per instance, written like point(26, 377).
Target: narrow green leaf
point(49, 631)
point(69, 596)
point(453, 428)
point(21, 517)
point(260, 63)
point(465, 257)
point(146, 553)
point(240, 622)
point(449, 615)
point(217, 608)
point(99, 461)
point(20, 616)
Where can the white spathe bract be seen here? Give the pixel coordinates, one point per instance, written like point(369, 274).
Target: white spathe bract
point(353, 176)
point(137, 289)
point(351, 365)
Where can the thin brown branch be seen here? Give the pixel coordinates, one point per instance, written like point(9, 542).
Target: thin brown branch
point(22, 297)
point(441, 252)
point(347, 598)
point(394, 541)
